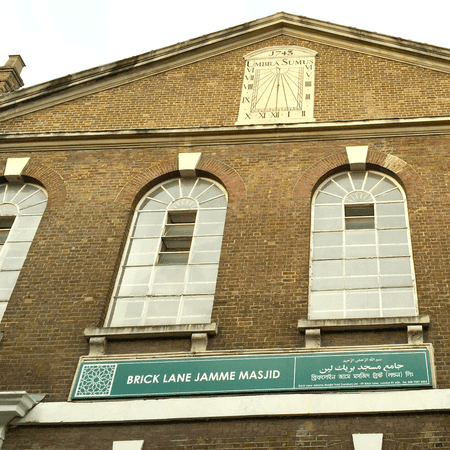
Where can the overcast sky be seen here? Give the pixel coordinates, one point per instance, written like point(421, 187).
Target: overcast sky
point(59, 37)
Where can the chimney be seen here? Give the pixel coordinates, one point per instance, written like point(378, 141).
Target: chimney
point(10, 74)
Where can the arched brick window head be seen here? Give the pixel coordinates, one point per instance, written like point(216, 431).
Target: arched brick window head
point(170, 264)
point(361, 258)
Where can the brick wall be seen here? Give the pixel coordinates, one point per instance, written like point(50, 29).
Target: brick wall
point(262, 288)
point(428, 431)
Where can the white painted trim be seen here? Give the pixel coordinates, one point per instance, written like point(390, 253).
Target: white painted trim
point(368, 441)
point(187, 163)
point(357, 157)
point(128, 445)
point(14, 168)
point(225, 407)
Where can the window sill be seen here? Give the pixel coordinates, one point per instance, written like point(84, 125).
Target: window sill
point(413, 324)
point(98, 337)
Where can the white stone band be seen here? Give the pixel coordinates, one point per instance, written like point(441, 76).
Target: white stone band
point(225, 407)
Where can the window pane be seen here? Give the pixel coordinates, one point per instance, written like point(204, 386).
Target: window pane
point(7, 283)
point(361, 282)
point(326, 305)
point(173, 188)
point(212, 257)
point(135, 281)
point(167, 288)
point(200, 187)
point(325, 198)
point(197, 306)
point(25, 200)
point(173, 258)
point(26, 191)
point(163, 307)
point(359, 210)
point(334, 188)
point(391, 222)
point(207, 243)
point(3, 306)
point(363, 300)
point(328, 269)
point(344, 181)
point(327, 284)
point(209, 228)
point(382, 187)
point(396, 280)
point(371, 180)
point(392, 237)
point(3, 235)
point(359, 216)
point(170, 274)
point(186, 186)
point(360, 251)
point(200, 273)
point(11, 191)
point(328, 224)
point(134, 310)
point(390, 209)
point(151, 205)
point(395, 265)
point(325, 212)
point(398, 298)
point(214, 203)
point(355, 267)
point(200, 288)
point(36, 209)
point(363, 313)
point(151, 218)
point(327, 253)
point(15, 250)
point(7, 209)
point(179, 230)
point(327, 239)
point(358, 179)
point(142, 252)
point(394, 250)
point(363, 237)
point(22, 235)
point(359, 223)
point(11, 263)
point(211, 216)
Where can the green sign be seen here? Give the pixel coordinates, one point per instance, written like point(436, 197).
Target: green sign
point(256, 373)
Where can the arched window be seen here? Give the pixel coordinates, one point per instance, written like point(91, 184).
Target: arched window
point(21, 209)
point(169, 268)
point(361, 259)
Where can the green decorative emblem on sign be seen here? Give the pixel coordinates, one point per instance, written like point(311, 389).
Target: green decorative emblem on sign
point(256, 373)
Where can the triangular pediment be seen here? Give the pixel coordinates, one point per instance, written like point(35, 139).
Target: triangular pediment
point(133, 70)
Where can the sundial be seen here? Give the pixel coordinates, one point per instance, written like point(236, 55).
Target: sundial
point(278, 86)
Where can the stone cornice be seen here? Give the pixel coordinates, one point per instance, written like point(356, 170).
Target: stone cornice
point(416, 401)
point(115, 74)
point(13, 404)
point(229, 135)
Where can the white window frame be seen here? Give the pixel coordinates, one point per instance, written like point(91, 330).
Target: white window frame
point(170, 294)
point(339, 291)
point(27, 202)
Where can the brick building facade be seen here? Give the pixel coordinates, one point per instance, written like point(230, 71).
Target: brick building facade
point(327, 149)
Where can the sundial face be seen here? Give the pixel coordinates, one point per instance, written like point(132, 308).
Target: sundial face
point(278, 86)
